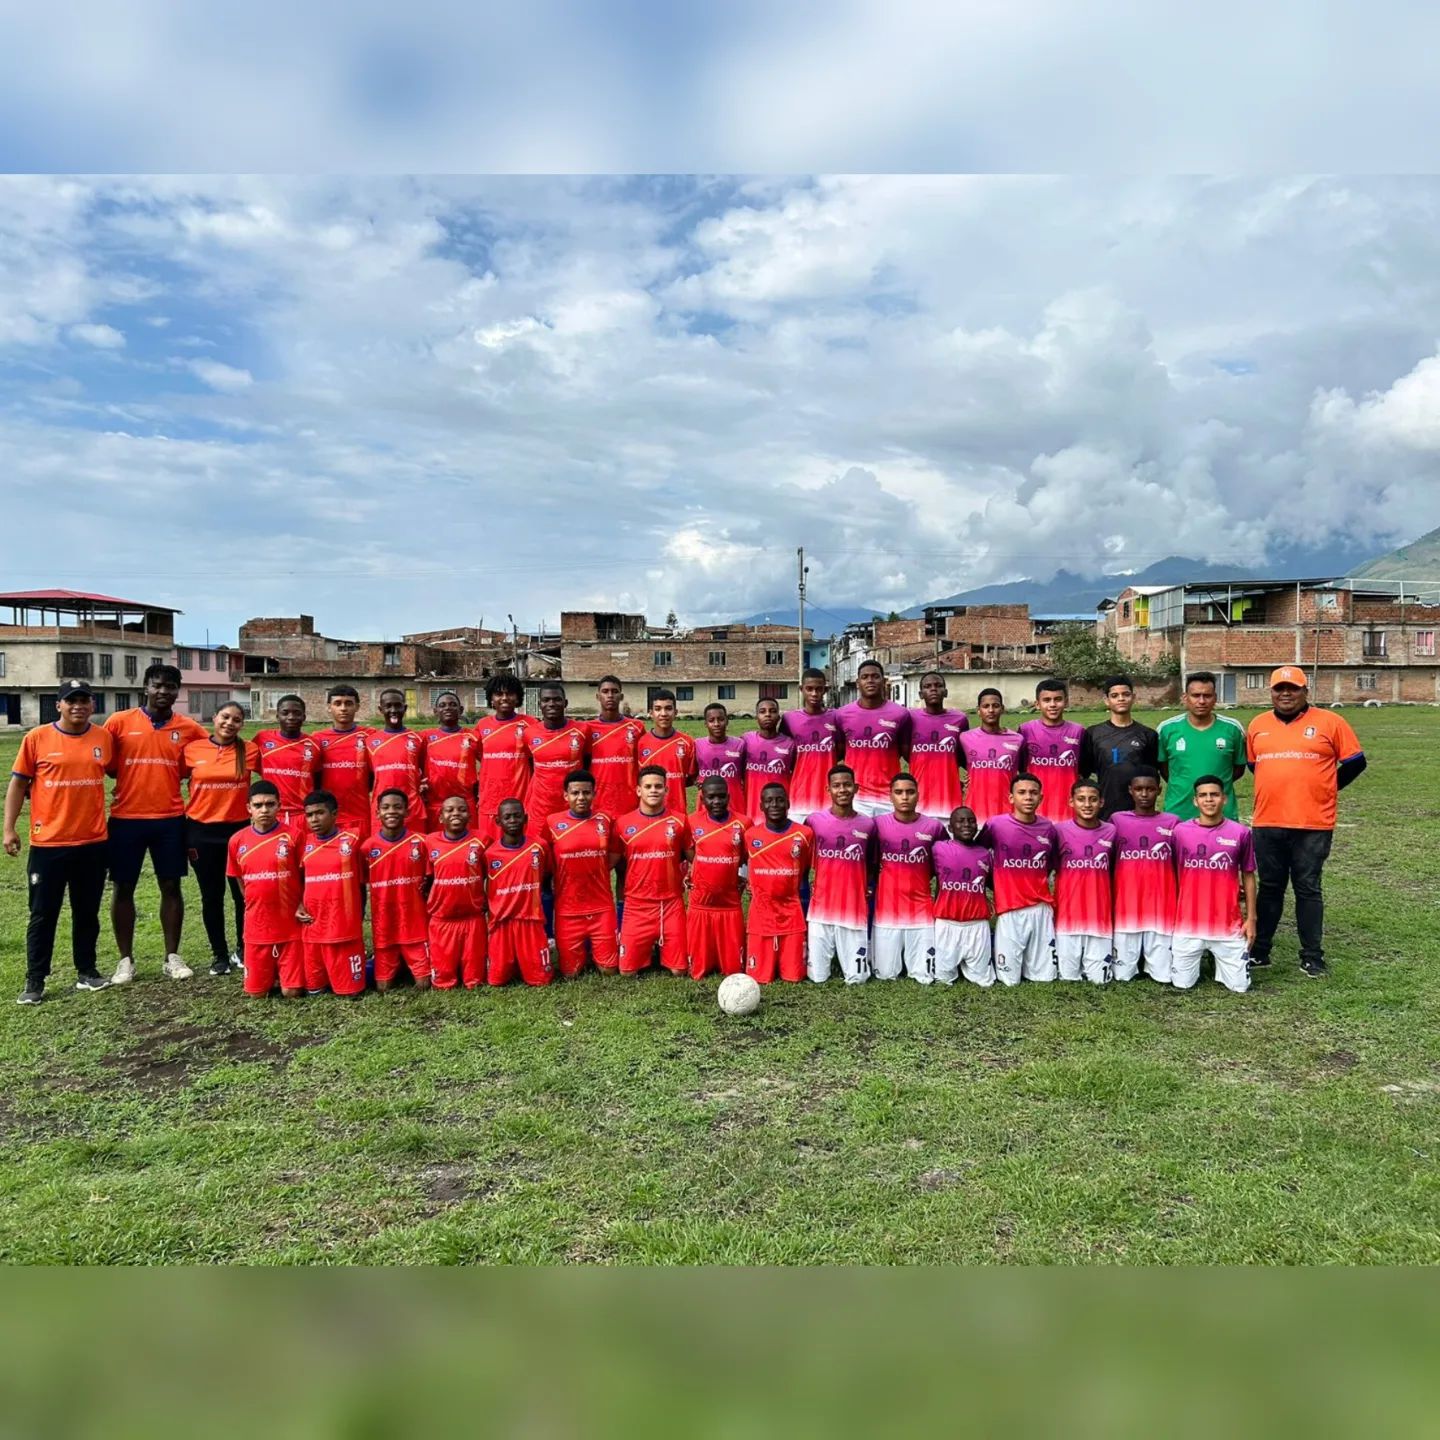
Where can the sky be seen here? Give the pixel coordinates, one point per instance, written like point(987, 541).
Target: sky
point(402, 403)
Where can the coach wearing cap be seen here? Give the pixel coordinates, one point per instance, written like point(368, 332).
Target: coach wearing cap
point(1302, 757)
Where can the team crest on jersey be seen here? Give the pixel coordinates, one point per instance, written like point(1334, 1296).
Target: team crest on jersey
point(410, 743)
point(795, 847)
point(756, 844)
point(96, 752)
point(269, 744)
point(434, 854)
point(375, 853)
point(562, 827)
point(282, 850)
point(629, 829)
point(534, 859)
point(1180, 743)
point(346, 848)
point(175, 736)
point(670, 830)
point(474, 856)
point(495, 864)
point(1309, 732)
point(574, 743)
point(737, 839)
point(415, 850)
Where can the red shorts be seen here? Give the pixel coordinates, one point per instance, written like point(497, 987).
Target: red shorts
point(457, 952)
point(293, 822)
point(765, 953)
point(338, 964)
point(264, 964)
point(717, 941)
point(356, 823)
point(649, 923)
point(389, 958)
point(519, 946)
point(573, 933)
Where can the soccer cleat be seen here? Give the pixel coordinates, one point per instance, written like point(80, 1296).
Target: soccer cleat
point(1314, 968)
point(124, 972)
point(221, 967)
point(31, 994)
point(90, 980)
point(176, 969)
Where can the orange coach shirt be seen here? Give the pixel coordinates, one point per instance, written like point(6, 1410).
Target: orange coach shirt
point(147, 763)
point(1295, 767)
point(67, 783)
point(216, 791)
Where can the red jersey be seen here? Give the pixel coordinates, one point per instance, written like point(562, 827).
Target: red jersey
point(777, 861)
point(1082, 881)
point(514, 879)
point(719, 854)
point(844, 850)
point(332, 872)
point(267, 865)
point(675, 753)
point(457, 876)
point(395, 871)
point(344, 771)
point(817, 740)
point(291, 766)
point(397, 761)
point(553, 755)
point(654, 849)
point(449, 766)
point(1024, 857)
point(611, 744)
point(147, 763)
point(504, 768)
point(902, 888)
point(580, 854)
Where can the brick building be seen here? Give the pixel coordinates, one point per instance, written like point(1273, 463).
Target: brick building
point(1359, 639)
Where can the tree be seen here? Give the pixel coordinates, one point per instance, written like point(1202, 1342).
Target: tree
point(1079, 655)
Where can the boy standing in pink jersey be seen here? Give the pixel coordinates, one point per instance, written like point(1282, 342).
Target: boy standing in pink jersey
point(1024, 847)
point(1215, 859)
point(839, 915)
point(1144, 881)
point(818, 746)
point(721, 755)
point(992, 757)
point(935, 732)
point(962, 912)
point(876, 732)
point(1056, 749)
point(769, 757)
point(1084, 920)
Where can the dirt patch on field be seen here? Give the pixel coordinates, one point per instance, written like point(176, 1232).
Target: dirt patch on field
point(1336, 1062)
point(167, 1056)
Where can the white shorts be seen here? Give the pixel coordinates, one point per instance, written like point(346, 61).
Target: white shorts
point(1154, 945)
point(962, 947)
point(1025, 945)
point(1232, 962)
point(830, 943)
point(910, 945)
point(1084, 957)
point(874, 808)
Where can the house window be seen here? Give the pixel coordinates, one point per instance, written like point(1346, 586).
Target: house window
point(391, 655)
point(1364, 679)
point(1373, 647)
point(99, 703)
point(725, 692)
point(1125, 611)
point(717, 657)
point(774, 657)
point(1254, 680)
point(1424, 645)
point(772, 691)
point(204, 659)
point(157, 660)
point(184, 659)
point(132, 667)
point(684, 692)
point(107, 665)
point(70, 665)
point(2, 663)
point(719, 634)
point(660, 659)
point(122, 700)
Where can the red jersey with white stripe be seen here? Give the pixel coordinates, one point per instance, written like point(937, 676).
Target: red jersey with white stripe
point(267, 865)
point(817, 739)
point(654, 847)
point(777, 861)
point(292, 766)
point(397, 761)
point(844, 852)
point(725, 758)
point(395, 873)
point(962, 871)
point(449, 765)
point(344, 770)
point(719, 854)
point(456, 867)
point(876, 741)
point(904, 850)
point(675, 753)
point(991, 763)
point(934, 758)
point(1022, 857)
point(514, 880)
point(504, 766)
point(1052, 755)
point(768, 761)
point(333, 874)
point(1144, 871)
point(580, 854)
point(553, 755)
point(1083, 884)
point(611, 744)
point(1211, 859)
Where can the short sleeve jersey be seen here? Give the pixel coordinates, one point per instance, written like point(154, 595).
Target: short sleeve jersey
point(397, 762)
point(817, 741)
point(906, 867)
point(449, 766)
point(844, 855)
point(612, 763)
point(777, 861)
point(1116, 750)
point(504, 769)
point(267, 865)
point(1295, 767)
point(725, 758)
point(1055, 755)
point(580, 854)
point(1024, 856)
point(148, 756)
point(332, 874)
point(1144, 871)
point(1082, 881)
point(675, 754)
point(553, 755)
point(876, 741)
point(1210, 861)
point(768, 761)
point(514, 880)
point(935, 758)
point(345, 771)
point(719, 854)
point(457, 869)
point(67, 783)
point(962, 871)
point(1190, 753)
point(991, 763)
point(291, 766)
point(654, 848)
point(395, 872)
point(217, 793)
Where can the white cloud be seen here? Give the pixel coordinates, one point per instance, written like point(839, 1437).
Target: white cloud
point(229, 379)
point(102, 337)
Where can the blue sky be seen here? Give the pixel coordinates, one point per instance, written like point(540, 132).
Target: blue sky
point(401, 403)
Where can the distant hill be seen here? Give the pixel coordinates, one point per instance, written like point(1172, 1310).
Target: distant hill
point(1419, 561)
point(822, 622)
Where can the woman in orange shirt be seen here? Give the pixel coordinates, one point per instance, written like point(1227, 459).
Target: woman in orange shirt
point(218, 769)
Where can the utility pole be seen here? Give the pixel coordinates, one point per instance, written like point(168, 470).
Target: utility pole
point(800, 628)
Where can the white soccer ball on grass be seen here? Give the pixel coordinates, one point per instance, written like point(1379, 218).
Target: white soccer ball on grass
point(738, 995)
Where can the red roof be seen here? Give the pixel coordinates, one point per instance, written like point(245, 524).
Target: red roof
point(76, 599)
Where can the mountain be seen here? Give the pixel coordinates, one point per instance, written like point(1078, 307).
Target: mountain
point(1419, 560)
point(823, 622)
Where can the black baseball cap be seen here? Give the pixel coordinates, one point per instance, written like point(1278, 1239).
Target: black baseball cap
point(71, 688)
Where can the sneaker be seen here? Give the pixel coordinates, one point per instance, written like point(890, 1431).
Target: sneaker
point(221, 967)
point(91, 981)
point(124, 972)
point(31, 994)
point(1314, 968)
point(236, 963)
point(176, 969)
point(1258, 962)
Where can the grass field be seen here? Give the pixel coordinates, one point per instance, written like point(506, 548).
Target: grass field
point(632, 1122)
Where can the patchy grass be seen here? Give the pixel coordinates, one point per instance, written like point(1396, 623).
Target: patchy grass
point(612, 1122)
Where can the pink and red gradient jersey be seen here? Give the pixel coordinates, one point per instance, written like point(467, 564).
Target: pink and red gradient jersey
point(1053, 755)
point(725, 758)
point(767, 762)
point(1144, 871)
point(934, 759)
point(844, 853)
point(816, 740)
point(876, 741)
point(991, 763)
point(903, 849)
point(962, 871)
point(1211, 860)
point(1082, 882)
point(1024, 856)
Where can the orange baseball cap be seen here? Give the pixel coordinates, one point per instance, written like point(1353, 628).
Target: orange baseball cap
point(1289, 675)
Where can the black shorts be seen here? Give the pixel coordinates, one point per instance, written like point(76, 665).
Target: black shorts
point(163, 840)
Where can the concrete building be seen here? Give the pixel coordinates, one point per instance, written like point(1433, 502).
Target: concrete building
point(55, 635)
point(210, 676)
point(1359, 639)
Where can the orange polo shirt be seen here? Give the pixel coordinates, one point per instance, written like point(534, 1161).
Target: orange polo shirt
point(147, 763)
point(1295, 765)
point(67, 783)
point(216, 791)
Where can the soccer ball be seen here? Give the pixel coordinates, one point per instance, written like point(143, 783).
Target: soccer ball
point(738, 995)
